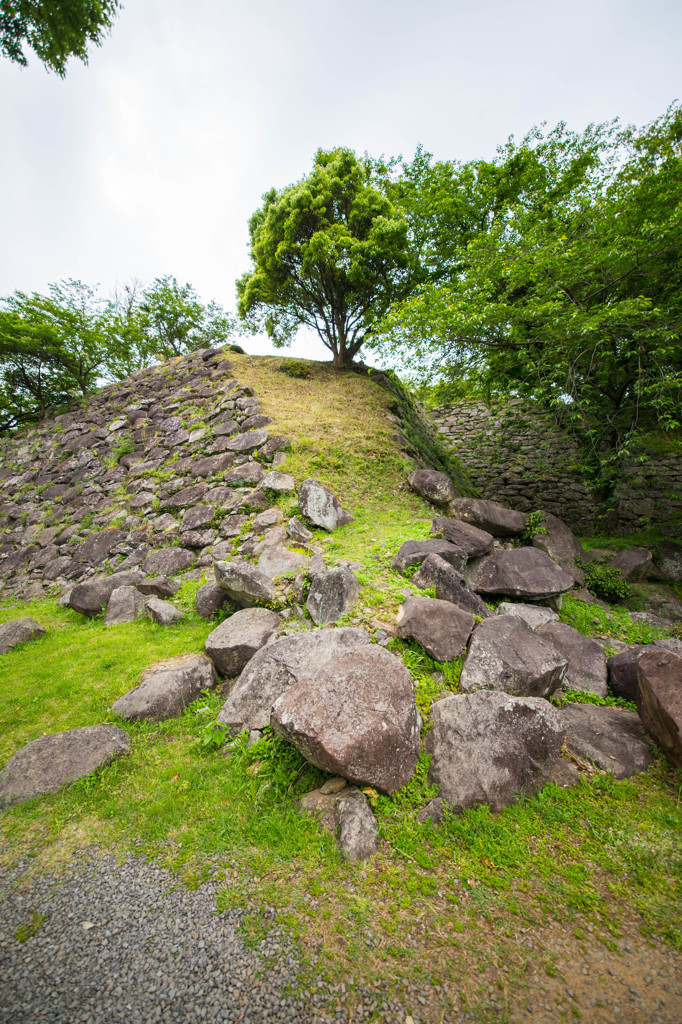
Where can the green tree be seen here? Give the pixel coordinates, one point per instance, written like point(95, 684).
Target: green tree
point(54, 29)
point(174, 321)
point(328, 253)
point(570, 292)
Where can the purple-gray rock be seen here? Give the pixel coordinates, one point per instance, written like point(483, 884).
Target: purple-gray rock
point(413, 552)
point(159, 586)
point(234, 642)
point(519, 572)
point(506, 654)
point(91, 598)
point(634, 563)
point(439, 627)
point(358, 829)
point(47, 764)
point(534, 614)
point(278, 482)
point(248, 475)
point(491, 748)
point(332, 594)
point(244, 583)
point(622, 673)
point(668, 558)
point(126, 604)
point(186, 496)
point(450, 585)
point(489, 516)
point(356, 717)
point(320, 507)
point(96, 548)
point(198, 517)
point(297, 532)
point(613, 739)
point(163, 612)
point(19, 631)
point(435, 487)
point(562, 545)
point(276, 560)
point(279, 666)
point(167, 688)
point(247, 442)
point(467, 537)
point(659, 699)
point(169, 561)
point(586, 659)
point(210, 600)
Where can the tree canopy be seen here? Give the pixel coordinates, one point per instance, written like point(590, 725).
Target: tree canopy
point(329, 253)
point(54, 29)
point(553, 272)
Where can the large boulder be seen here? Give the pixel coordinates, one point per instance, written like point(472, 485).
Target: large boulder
point(611, 738)
point(18, 631)
point(659, 699)
point(586, 659)
point(92, 597)
point(519, 572)
point(332, 594)
point(634, 563)
point(506, 654)
point(622, 673)
point(534, 614)
point(248, 475)
point(465, 536)
point(279, 666)
point(450, 585)
point(247, 442)
point(167, 688)
point(244, 583)
point(169, 561)
point(492, 748)
point(668, 557)
point(159, 586)
point(210, 600)
point(356, 717)
point(413, 552)
point(439, 627)
point(489, 516)
point(53, 761)
point(96, 548)
point(234, 642)
point(277, 560)
point(278, 482)
point(562, 545)
point(436, 487)
point(358, 829)
point(320, 507)
point(163, 612)
point(126, 604)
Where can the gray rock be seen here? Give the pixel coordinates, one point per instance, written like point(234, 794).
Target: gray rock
point(232, 526)
point(248, 475)
point(320, 507)
point(276, 560)
point(622, 673)
point(167, 688)
point(562, 545)
point(465, 536)
point(413, 552)
point(18, 631)
point(435, 487)
point(491, 748)
point(586, 659)
point(210, 600)
point(297, 532)
point(489, 516)
point(450, 585)
point(613, 739)
point(634, 563)
point(356, 717)
point(247, 442)
point(358, 830)
point(92, 597)
point(197, 538)
point(506, 654)
point(266, 520)
point(235, 641)
point(53, 761)
point(668, 558)
point(169, 561)
point(279, 666)
point(126, 604)
point(244, 583)
point(332, 594)
point(519, 572)
point(186, 496)
point(163, 612)
point(278, 483)
point(439, 627)
point(197, 517)
point(272, 446)
point(96, 548)
point(159, 586)
point(534, 614)
point(659, 699)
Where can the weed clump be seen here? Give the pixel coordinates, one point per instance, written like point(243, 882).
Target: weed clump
point(604, 581)
point(296, 368)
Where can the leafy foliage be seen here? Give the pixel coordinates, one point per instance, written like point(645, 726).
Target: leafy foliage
point(54, 29)
point(535, 526)
point(604, 581)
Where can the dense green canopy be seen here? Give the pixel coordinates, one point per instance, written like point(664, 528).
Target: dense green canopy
point(54, 29)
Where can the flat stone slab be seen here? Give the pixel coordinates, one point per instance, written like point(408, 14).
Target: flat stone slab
point(413, 552)
point(469, 538)
point(450, 585)
point(489, 516)
point(561, 544)
point(163, 612)
point(439, 627)
point(613, 739)
point(92, 597)
point(279, 666)
point(19, 631)
point(506, 654)
point(167, 688)
point(356, 717)
point(490, 748)
point(247, 442)
point(51, 762)
point(169, 561)
point(244, 583)
point(332, 594)
point(234, 642)
point(587, 669)
point(519, 572)
point(435, 487)
point(534, 614)
point(276, 560)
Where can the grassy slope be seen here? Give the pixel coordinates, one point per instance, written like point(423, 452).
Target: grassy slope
point(435, 902)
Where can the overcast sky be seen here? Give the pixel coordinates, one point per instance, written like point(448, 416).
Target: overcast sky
point(151, 159)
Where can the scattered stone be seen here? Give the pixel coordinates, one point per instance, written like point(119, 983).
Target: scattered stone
point(332, 594)
point(185, 497)
point(163, 612)
point(266, 520)
point(92, 597)
point(197, 517)
point(276, 560)
point(126, 604)
point(248, 475)
point(279, 666)
point(256, 422)
point(519, 572)
point(235, 641)
point(167, 688)
point(534, 614)
point(659, 699)
point(247, 442)
point(50, 762)
point(465, 536)
point(450, 585)
point(491, 748)
point(506, 654)
point(622, 673)
point(435, 487)
point(232, 526)
point(562, 545)
point(413, 552)
point(159, 586)
point(489, 516)
point(634, 563)
point(297, 532)
point(355, 717)
point(244, 583)
point(320, 507)
point(197, 539)
point(96, 548)
point(441, 628)
point(210, 600)
point(358, 830)
point(613, 739)
point(668, 558)
point(18, 631)
point(274, 445)
point(168, 561)
point(278, 483)
point(586, 659)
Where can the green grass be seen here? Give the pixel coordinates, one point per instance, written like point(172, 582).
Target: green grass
point(591, 620)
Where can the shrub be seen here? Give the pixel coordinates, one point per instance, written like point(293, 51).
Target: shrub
point(604, 581)
point(295, 368)
point(534, 526)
